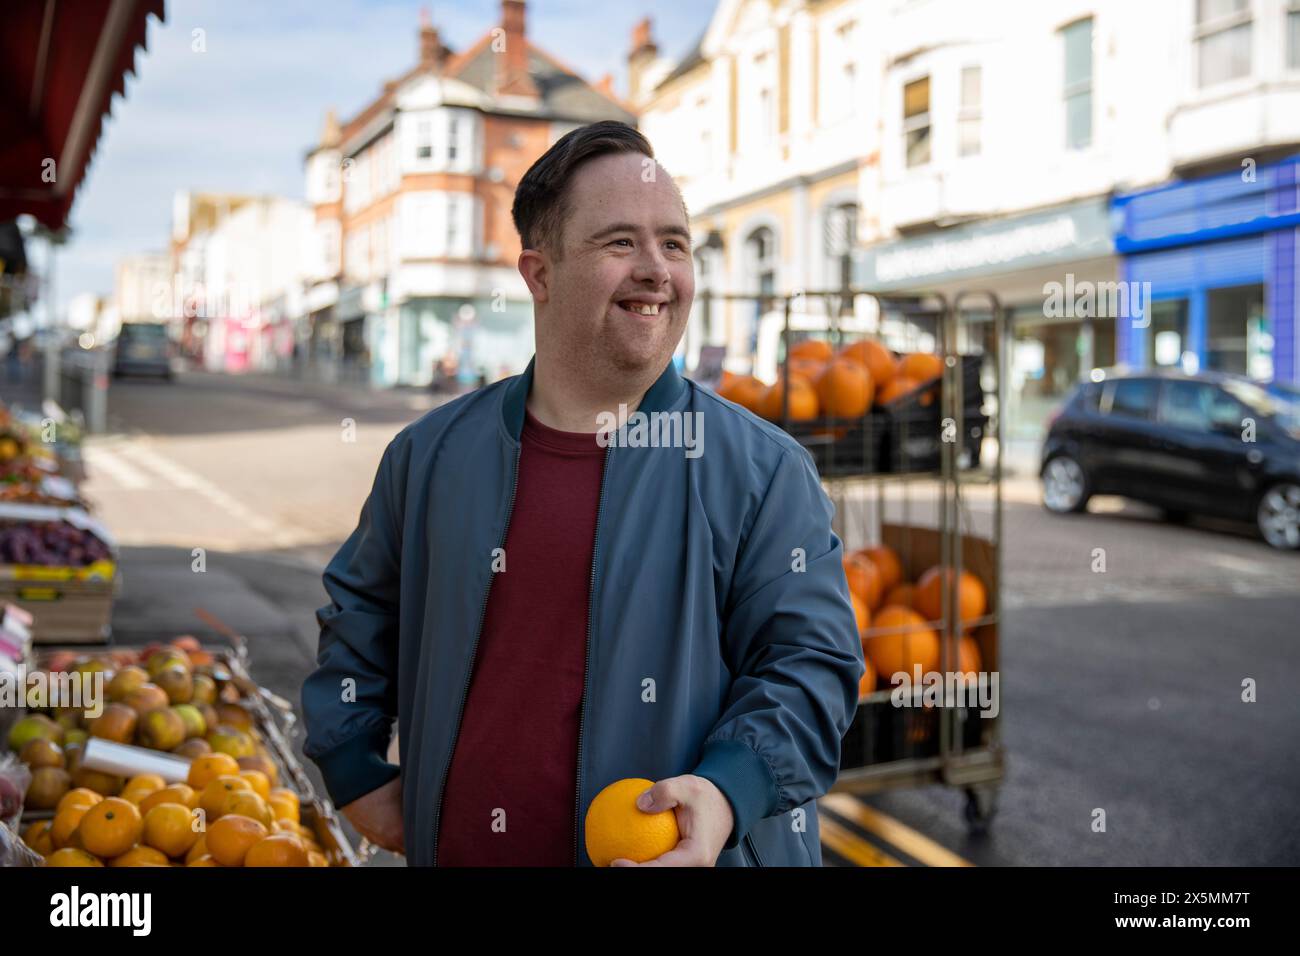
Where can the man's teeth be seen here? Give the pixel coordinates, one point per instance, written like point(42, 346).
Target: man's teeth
point(642, 308)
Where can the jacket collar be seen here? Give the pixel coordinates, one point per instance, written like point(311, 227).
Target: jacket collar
point(660, 396)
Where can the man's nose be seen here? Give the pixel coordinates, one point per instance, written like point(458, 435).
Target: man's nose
point(651, 266)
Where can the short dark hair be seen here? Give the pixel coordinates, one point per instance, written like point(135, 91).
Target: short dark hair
point(541, 199)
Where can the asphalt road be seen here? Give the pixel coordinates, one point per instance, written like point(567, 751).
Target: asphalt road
point(1121, 688)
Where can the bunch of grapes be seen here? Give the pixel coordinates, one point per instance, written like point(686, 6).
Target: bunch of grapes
point(52, 543)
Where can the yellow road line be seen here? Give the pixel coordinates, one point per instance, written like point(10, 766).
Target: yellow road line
point(920, 848)
point(851, 846)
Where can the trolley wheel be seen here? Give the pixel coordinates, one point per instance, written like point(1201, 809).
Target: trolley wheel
point(981, 807)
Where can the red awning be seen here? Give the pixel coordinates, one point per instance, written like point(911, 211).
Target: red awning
point(61, 61)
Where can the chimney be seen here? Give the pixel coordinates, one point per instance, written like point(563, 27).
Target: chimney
point(512, 77)
point(642, 55)
point(330, 133)
point(606, 85)
point(432, 52)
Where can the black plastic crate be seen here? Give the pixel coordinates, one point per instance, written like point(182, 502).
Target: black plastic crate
point(844, 446)
point(881, 733)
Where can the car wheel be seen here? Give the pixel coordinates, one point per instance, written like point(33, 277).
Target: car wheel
point(1065, 486)
point(1278, 516)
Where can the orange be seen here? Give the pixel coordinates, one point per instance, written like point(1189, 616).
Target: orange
point(818, 349)
point(968, 658)
point(199, 848)
point(279, 849)
point(803, 400)
point(809, 368)
point(69, 856)
point(259, 781)
point(864, 580)
point(911, 643)
point(879, 361)
point(39, 837)
point(111, 827)
point(921, 367)
point(745, 391)
point(284, 804)
point(65, 825)
point(248, 804)
point(316, 858)
point(137, 788)
point(616, 828)
point(169, 827)
point(81, 796)
point(204, 860)
point(972, 599)
point(230, 838)
point(213, 798)
point(867, 684)
point(861, 613)
point(180, 793)
point(845, 389)
point(886, 561)
point(209, 767)
point(140, 856)
point(901, 594)
point(900, 386)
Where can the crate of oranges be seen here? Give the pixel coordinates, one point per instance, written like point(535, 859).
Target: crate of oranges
point(217, 784)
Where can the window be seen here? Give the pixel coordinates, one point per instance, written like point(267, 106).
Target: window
point(760, 252)
point(1133, 397)
point(1077, 38)
point(1199, 407)
point(845, 37)
point(453, 131)
point(1293, 35)
point(423, 139)
point(453, 214)
point(1167, 332)
point(968, 117)
point(841, 227)
point(1223, 38)
point(916, 122)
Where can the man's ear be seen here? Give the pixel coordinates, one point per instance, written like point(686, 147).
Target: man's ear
point(535, 268)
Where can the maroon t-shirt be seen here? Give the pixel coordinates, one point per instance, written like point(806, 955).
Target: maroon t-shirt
point(516, 756)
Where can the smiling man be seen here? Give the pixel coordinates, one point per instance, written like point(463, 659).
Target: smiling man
point(547, 607)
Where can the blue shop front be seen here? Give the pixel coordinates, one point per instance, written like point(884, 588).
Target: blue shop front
point(1220, 254)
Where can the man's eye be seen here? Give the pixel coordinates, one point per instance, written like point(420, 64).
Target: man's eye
point(622, 240)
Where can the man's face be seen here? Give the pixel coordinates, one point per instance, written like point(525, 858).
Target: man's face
point(626, 252)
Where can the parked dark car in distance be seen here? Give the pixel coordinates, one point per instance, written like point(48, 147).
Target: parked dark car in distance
point(1209, 444)
point(143, 348)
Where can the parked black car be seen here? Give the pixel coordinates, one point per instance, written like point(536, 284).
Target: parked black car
point(143, 348)
point(1210, 444)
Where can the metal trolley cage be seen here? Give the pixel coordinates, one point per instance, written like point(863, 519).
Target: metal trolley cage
point(878, 502)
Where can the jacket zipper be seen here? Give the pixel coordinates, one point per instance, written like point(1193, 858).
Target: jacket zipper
point(469, 674)
point(586, 664)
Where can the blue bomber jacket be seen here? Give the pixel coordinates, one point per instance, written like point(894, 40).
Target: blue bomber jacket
point(721, 641)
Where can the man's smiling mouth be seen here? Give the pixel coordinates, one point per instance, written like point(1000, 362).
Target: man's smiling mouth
point(639, 308)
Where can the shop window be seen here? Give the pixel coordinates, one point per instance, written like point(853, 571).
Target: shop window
point(968, 117)
point(1237, 339)
point(1132, 397)
point(916, 122)
point(1077, 38)
point(1167, 334)
point(1223, 39)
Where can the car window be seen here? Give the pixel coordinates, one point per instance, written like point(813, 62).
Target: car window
point(1185, 405)
point(1133, 397)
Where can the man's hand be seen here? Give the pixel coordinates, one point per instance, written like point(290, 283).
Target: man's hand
point(378, 816)
point(704, 820)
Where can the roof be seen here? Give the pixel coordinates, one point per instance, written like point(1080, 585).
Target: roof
point(564, 94)
point(60, 65)
point(689, 62)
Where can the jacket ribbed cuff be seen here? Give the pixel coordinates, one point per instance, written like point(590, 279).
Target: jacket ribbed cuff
point(357, 766)
point(744, 778)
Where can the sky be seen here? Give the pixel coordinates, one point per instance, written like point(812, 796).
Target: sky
point(240, 115)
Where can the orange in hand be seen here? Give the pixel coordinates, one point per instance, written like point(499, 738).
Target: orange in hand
point(617, 829)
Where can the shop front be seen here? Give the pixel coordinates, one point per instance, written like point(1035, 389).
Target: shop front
point(1218, 255)
point(1053, 270)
